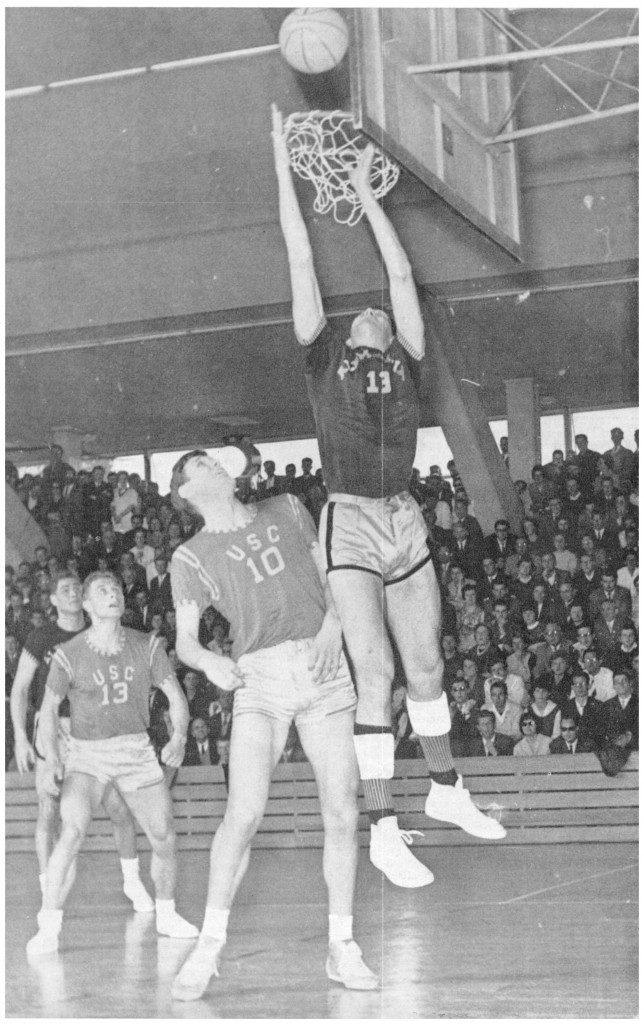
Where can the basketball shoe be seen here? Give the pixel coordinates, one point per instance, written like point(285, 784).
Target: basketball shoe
point(454, 804)
point(389, 852)
point(194, 977)
point(345, 964)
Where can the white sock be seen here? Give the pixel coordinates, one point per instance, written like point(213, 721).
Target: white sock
point(50, 920)
point(43, 881)
point(130, 869)
point(215, 923)
point(165, 908)
point(340, 928)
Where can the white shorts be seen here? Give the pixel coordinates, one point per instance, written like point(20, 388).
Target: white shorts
point(278, 684)
point(383, 536)
point(127, 761)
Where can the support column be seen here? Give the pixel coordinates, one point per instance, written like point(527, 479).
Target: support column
point(524, 426)
point(456, 405)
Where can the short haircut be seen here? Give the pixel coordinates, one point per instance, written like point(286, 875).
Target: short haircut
point(99, 574)
point(178, 477)
point(502, 522)
point(527, 716)
point(485, 713)
point(500, 685)
point(64, 574)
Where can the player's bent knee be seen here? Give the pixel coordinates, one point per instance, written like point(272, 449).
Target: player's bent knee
point(73, 834)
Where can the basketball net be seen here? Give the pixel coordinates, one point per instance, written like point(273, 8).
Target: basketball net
point(323, 148)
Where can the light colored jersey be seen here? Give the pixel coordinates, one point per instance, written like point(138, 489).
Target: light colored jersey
point(108, 693)
point(261, 577)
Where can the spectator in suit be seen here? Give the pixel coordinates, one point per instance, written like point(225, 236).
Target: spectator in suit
point(628, 649)
point(570, 742)
point(488, 742)
point(540, 490)
point(563, 605)
point(142, 553)
point(607, 629)
point(587, 462)
point(465, 552)
point(306, 478)
point(523, 584)
point(200, 750)
point(506, 712)
point(573, 501)
point(583, 709)
point(126, 561)
point(603, 537)
point(558, 679)
point(463, 711)
point(160, 586)
point(543, 604)
point(587, 579)
point(609, 591)
point(501, 628)
point(471, 675)
point(532, 742)
point(620, 722)
point(519, 552)
point(452, 660)
point(500, 543)
point(270, 485)
point(489, 576)
point(470, 522)
point(621, 461)
point(131, 587)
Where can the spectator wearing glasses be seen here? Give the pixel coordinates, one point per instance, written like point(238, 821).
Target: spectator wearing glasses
point(584, 710)
point(532, 743)
point(500, 543)
point(570, 742)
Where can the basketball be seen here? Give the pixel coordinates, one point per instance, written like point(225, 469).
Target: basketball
point(313, 39)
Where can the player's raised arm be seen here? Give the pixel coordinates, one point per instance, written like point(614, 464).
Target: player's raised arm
point(24, 752)
point(404, 297)
point(308, 313)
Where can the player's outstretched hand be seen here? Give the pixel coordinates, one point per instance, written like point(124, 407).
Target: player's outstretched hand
point(324, 659)
point(280, 148)
point(174, 751)
point(360, 175)
point(24, 755)
point(222, 671)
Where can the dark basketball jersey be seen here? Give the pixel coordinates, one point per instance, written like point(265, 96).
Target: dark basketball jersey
point(40, 645)
point(261, 577)
point(365, 405)
point(109, 693)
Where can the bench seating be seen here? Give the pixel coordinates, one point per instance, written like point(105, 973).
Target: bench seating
point(551, 799)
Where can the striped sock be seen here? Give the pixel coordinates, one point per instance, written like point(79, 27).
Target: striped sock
point(440, 761)
point(377, 797)
point(375, 752)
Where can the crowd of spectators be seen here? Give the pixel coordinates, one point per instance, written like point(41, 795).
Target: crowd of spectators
point(539, 629)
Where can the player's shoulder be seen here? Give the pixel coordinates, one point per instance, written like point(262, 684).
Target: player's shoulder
point(187, 552)
point(134, 638)
point(68, 641)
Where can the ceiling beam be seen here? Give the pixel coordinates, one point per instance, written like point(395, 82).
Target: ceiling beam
point(514, 57)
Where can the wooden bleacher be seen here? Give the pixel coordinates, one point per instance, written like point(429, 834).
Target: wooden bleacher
point(551, 799)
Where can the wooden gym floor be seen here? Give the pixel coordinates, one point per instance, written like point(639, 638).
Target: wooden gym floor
point(504, 931)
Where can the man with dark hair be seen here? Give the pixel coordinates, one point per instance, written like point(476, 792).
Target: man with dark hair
point(500, 543)
point(620, 714)
point(364, 392)
point(588, 463)
point(487, 742)
point(586, 711)
point(107, 672)
point(570, 742)
point(56, 471)
point(621, 461)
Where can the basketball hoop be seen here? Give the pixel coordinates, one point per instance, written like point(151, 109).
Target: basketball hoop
point(323, 148)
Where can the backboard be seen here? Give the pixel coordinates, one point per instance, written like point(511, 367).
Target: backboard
point(439, 125)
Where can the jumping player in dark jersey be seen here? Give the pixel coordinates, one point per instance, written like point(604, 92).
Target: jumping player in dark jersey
point(31, 677)
point(260, 566)
point(364, 394)
point(107, 671)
